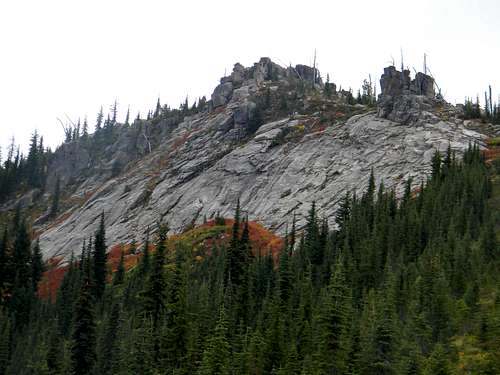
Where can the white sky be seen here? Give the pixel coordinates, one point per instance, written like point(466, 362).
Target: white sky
point(67, 57)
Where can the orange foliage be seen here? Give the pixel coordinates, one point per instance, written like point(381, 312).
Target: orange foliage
point(51, 279)
point(492, 154)
point(262, 241)
point(114, 255)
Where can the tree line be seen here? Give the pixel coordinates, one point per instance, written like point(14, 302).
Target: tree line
point(397, 287)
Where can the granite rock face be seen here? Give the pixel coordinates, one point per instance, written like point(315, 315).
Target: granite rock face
point(207, 173)
point(200, 166)
point(402, 99)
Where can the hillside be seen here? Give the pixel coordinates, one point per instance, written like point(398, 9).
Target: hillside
point(400, 287)
point(267, 136)
point(283, 227)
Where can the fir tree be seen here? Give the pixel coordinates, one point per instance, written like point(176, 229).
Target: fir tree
point(22, 256)
point(83, 351)
point(99, 258)
point(119, 275)
point(216, 354)
point(437, 364)
point(100, 118)
point(145, 265)
point(333, 324)
point(37, 265)
point(154, 294)
point(108, 345)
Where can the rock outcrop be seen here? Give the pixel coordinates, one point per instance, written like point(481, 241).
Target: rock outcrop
point(404, 100)
point(201, 165)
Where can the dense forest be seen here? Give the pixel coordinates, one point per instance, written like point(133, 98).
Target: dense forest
point(408, 286)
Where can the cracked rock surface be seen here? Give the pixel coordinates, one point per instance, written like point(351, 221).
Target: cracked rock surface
point(200, 170)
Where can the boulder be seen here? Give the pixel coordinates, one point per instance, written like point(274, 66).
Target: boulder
point(222, 94)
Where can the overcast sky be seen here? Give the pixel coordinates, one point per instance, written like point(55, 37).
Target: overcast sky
point(66, 57)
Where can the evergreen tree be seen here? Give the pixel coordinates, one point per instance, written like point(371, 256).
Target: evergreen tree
point(154, 294)
point(100, 118)
point(127, 117)
point(145, 261)
point(5, 342)
point(216, 354)
point(108, 345)
point(438, 364)
point(333, 325)
point(99, 258)
point(54, 353)
point(22, 256)
point(157, 109)
point(37, 265)
point(83, 351)
point(311, 241)
point(236, 257)
point(119, 275)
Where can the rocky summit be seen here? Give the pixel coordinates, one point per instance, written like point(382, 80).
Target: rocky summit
point(276, 138)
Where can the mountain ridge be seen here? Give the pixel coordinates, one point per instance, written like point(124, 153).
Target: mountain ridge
point(277, 138)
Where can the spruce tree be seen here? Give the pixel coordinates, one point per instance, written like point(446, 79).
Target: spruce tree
point(437, 363)
point(100, 118)
point(108, 345)
point(5, 341)
point(215, 359)
point(22, 256)
point(145, 265)
point(99, 258)
point(333, 325)
point(83, 350)
point(154, 295)
point(311, 237)
point(236, 257)
point(6, 271)
point(37, 265)
point(119, 275)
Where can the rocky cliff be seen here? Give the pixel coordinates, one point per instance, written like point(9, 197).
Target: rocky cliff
point(269, 135)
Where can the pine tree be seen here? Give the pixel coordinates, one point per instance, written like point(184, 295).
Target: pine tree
point(285, 276)
point(85, 129)
point(436, 165)
point(54, 357)
point(114, 112)
point(145, 265)
point(119, 275)
point(5, 342)
point(83, 351)
point(333, 325)
point(22, 256)
point(127, 117)
point(236, 258)
point(311, 237)
point(6, 270)
point(438, 364)
point(37, 265)
point(99, 258)
point(216, 354)
point(109, 345)
point(100, 118)
point(177, 322)
point(154, 294)
point(157, 109)
point(66, 297)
